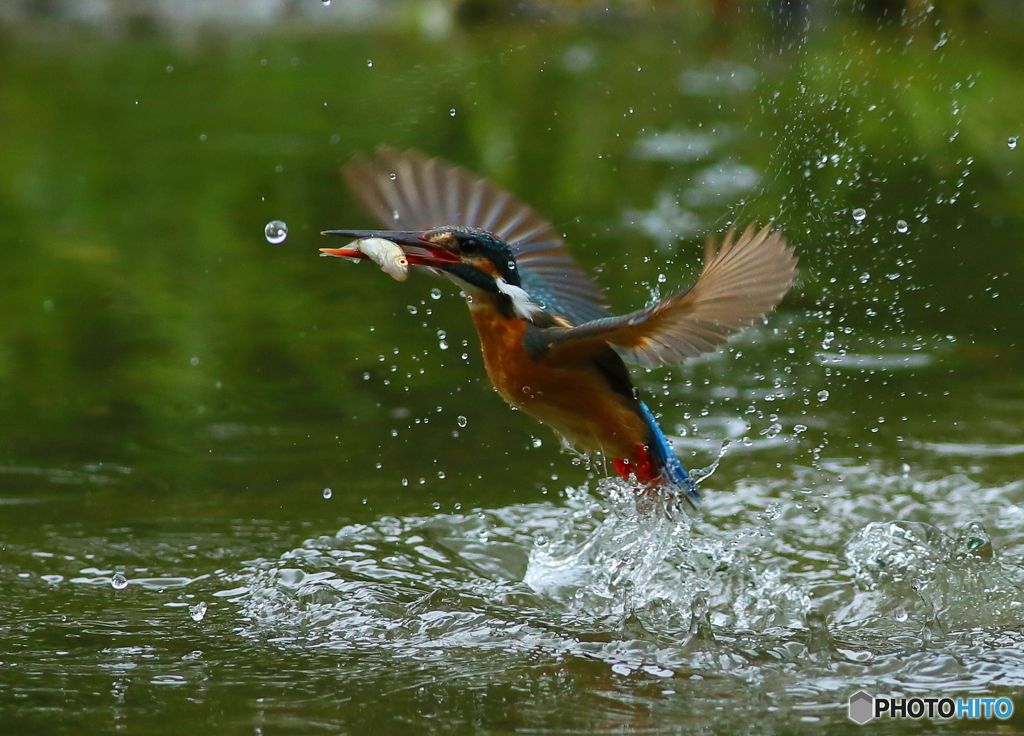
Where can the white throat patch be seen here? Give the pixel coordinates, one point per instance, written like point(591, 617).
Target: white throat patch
point(521, 303)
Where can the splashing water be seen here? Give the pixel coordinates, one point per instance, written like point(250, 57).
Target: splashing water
point(198, 611)
point(628, 558)
point(830, 598)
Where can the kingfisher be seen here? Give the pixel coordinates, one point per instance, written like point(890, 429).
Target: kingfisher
point(551, 347)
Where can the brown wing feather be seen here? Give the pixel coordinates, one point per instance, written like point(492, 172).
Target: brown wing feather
point(405, 190)
point(741, 281)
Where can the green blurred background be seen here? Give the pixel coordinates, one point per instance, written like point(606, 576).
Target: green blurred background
point(147, 324)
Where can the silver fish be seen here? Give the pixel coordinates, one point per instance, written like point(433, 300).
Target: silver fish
point(389, 256)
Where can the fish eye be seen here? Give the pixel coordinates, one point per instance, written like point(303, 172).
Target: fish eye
point(470, 245)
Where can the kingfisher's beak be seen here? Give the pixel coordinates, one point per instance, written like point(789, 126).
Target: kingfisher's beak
point(419, 251)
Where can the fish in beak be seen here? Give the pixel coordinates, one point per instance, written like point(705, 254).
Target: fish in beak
point(393, 250)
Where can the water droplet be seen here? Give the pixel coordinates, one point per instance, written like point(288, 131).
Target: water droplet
point(773, 431)
point(198, 611)
point(902, 226)
point(452, 112)
point(462, 421)
point(823, 395)
point(369, 63)
point(436, 505)
point(328, 493)
point(1011, 142)
point(440, 474)
point(700, 622)
point(411, 309)
point(860, 214)
point(194, 360)
point(537, 442)
point(118, 581)
point(435, 293)
point(276, 232)
point(443, 345)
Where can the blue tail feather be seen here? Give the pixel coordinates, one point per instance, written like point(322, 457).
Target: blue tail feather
point(665, 458)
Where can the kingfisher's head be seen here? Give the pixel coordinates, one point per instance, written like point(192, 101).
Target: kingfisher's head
point(482, 259)
point(475, 259)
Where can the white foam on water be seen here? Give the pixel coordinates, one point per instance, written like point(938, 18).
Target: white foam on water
point(839, 589)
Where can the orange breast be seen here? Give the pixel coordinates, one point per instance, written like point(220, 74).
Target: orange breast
point(573, 398)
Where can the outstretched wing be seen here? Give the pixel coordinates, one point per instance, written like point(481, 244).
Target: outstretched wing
point(405, 190)
point(741, 281)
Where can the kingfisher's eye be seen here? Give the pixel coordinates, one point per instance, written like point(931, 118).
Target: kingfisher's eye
point(470, 245)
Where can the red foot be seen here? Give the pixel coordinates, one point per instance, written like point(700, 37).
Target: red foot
point(641, 467)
